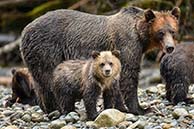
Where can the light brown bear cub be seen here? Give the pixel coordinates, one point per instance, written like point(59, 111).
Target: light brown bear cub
point(87, 79)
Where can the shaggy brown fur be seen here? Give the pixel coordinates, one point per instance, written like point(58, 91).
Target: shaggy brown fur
point(177, 70)
point(87, 79)
point(22, 88)
point(67, 34)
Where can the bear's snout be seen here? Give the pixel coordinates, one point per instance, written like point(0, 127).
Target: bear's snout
point(169, 49)
point(107, 72)
point(169, 43)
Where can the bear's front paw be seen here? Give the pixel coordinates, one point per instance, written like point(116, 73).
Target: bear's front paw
point(148, 110)
point(142, 111)
point(189, 100)
point(8, 103)
point(123, 109)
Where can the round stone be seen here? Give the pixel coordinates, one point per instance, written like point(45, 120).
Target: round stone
point(37, 117)
point(57, 124)
point(179, 112)
point(26, 117)
point(54, 115)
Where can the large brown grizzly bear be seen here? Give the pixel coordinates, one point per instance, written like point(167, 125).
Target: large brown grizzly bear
point(87, 79)
point(177, 70)
point(22, 88)
point(67, 34)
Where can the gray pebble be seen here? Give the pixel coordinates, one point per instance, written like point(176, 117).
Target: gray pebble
point(71, 117)
point(152, 89)
point(16, 115)
point(62, 117)
point(131, 117)
point(142, 124)
point(191, 111)
point(21, 115)
point(57, 124)
point(54, 115)
point(26, 117)
point(37, 117)
point(7, 112)
point(179, 112)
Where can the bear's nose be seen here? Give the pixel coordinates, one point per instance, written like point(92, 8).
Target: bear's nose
point(169, 49)
point(107, 71)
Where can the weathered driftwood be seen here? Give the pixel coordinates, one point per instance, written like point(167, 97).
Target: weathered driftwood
point(5, 81)
point(10, 47)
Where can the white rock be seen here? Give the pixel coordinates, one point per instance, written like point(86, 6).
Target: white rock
point(179, 112)
point(37, 117)
point(109, 117)
point(68, 127)
point(91, 124)
point(57, 124)
point(131, 117)
point(152, 89)
point(160, 86)
point(11, 127)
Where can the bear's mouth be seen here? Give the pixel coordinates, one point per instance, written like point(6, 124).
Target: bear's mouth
point(107, 75)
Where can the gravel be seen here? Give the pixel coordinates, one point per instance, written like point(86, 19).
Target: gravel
point(165, 115)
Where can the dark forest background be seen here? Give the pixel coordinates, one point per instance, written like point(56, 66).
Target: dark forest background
point(16, 14)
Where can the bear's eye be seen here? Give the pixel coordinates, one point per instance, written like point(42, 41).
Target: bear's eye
point(102, 64)
point(110, 63)
point(160, 34)
point(173, 33)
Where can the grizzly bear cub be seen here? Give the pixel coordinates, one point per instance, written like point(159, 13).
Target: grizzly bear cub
point(177, 70)
point(87, 79)
point(22, 88)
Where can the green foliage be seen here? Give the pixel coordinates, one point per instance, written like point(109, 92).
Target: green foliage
point(15, 17)
point(153, 4)
point(45, 7)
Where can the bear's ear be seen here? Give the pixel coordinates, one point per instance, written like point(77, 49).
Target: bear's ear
point(176, 12)
point(116, 53)
point(13, 71)
point(95, 54)
point(149, 15)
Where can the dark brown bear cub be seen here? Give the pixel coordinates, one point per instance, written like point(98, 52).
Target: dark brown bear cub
point(177, 70)
point(22, 88)
point(87, 79)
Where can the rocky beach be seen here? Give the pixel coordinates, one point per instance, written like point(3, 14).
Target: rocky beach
point(164, 115)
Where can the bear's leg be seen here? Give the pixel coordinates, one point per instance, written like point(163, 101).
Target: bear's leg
point(66, 103)
point(49, 101)
point(177, 87)
point(179, 92)
point(168, 92)
point(31, 101)
point(128, 84)
point(45, 98)
point(64, 96)
point(113, 98)
point(90, 97)
point(108, 99)
point(39, 94)
point(118, 98)
point(33, 98)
